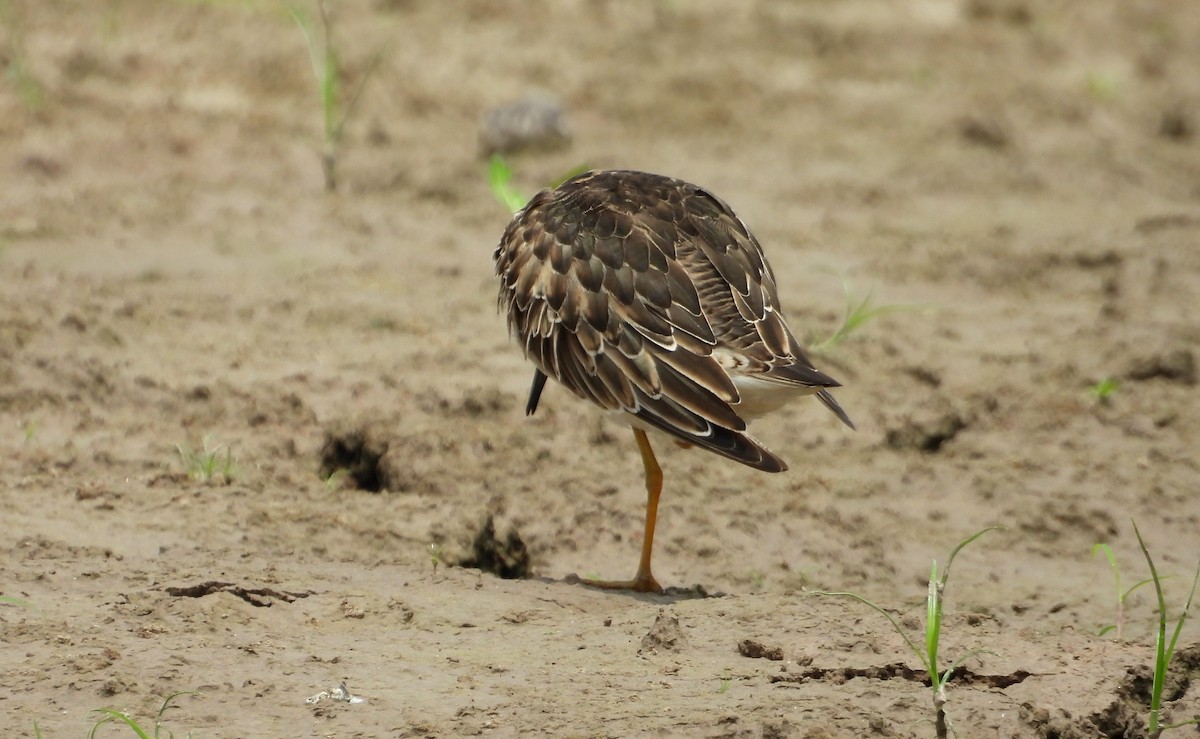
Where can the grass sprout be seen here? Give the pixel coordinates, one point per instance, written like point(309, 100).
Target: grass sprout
point(859, 311)
point(1122, 592)
point(113, 716)
point(500, 181)
point(17, 70)
point(1103, 390)
point(435, 556)
point(1163, 650)
point(208, 462)
point(929, 652)
point(500, 177)
point(1102, 87)
point(336, 108)
point(334, 481)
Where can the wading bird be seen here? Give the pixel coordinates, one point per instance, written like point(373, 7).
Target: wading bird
point(649, 297)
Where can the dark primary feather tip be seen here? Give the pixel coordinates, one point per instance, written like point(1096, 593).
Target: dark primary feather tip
point(827, 399)
point(535, 392)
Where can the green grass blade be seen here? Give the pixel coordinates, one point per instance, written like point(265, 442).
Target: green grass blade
point(891, 619)
point(934, 610)
point(1122, 593)
point(15, 59)
point(330, 79)
point(933, 624)
point(1160, 639)
point(1139, 584)
point(1103, 390)
point(1187, 606)
point(858, 312)
point(112, 715)
point(500, 180)
point(310, 39)
point(1112, 564)
point(325, 65)
point(956, 663)
point(372, 66)
point(954, 552)
point(163, 709)
point(937, 588)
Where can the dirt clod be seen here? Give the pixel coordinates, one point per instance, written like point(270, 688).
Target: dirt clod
point(984, 131)
point(1176, 365)
point(1176, 124)
point(758, 650)
point(665, 635)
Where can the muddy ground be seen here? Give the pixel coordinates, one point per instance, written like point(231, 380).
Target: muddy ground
point(1021, 179)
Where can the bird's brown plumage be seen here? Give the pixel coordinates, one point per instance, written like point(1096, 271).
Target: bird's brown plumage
point(646, 294)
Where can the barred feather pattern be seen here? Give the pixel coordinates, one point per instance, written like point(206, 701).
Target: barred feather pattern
point(648, 295)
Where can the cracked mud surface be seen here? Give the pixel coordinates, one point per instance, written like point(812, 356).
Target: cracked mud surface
point(1024, 178)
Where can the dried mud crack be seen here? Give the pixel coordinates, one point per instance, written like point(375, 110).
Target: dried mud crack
point(260, 597)
point(897, 671)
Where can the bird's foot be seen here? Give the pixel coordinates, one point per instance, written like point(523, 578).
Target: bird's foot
point(643, 582)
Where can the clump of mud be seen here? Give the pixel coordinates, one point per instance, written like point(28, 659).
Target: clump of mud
point(506, 557)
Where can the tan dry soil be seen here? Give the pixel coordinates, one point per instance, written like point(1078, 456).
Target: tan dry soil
point(1023, 176)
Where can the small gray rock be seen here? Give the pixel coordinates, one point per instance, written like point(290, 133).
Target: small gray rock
point(533, 122)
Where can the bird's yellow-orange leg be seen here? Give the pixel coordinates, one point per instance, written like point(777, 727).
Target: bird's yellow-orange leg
point(643, 581)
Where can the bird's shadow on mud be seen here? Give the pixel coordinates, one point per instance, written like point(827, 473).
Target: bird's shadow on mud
point(670, 594)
